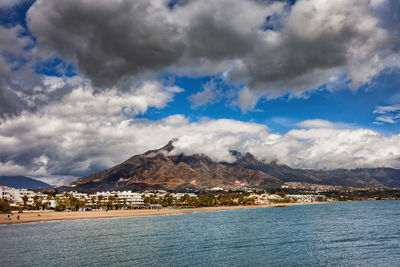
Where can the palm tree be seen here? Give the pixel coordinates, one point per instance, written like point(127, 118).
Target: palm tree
point(45, 205)
point(60, 204)
point(83, 202)
point(37, 202)
point(93, 201)
point(4, 205)
point(116, 201)
point(110, 203)
point(100, 200)
point(25, 200)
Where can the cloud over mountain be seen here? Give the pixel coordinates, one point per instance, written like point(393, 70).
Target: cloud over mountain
point(131, 56)
point(86, 132)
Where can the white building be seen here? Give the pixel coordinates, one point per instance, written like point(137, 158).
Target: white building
point(128, 198)
point(51, 203)
point(307, 198)
point(260, 199)
point(16, 195)
point(216, 189)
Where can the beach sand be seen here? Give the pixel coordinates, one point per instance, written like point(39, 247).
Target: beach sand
point(77, 215)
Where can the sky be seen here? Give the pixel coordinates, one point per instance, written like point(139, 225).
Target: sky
point(86, 84)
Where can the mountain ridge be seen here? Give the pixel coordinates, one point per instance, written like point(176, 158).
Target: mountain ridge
point(161, 169)
point(22, 182)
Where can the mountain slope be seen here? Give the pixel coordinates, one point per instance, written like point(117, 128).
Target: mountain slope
point(157, 170)
point(280, 171)
point(362, 177)
point(22, 182)
point(161, 169)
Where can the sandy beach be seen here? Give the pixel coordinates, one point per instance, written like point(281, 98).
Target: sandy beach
point(28, 217)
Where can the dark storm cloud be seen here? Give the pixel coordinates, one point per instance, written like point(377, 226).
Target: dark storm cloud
point(17, 80)
point(109, 41)
point(113, 41)
point(21, 87)
point(389, 11)
point(78, 129)
point(10, 103)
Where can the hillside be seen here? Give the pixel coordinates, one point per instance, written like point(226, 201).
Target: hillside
point(160, 169)
point(22, 182)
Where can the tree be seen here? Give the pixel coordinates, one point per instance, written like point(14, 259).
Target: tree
point(100, 201)
point(168, 200)
point(74, 203)
point(45, 205)
point(37, 202)
point(110, 202)
point(185, 200)
point(25, 200)
point(282, 194)
point(4, 205)
point(60, 204)
point(93, 202)
point(83, 201)
point(146, 200)
point(116, 202)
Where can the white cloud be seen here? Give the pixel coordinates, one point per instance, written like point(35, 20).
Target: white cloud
point(386, 109)
point(386, 118)
point(387, 114)
point(87, 132)
point(117, 45)
point(316, 123)
point(247, 99)
point(377, 3)
point(71, 136)
point(318, 42)
point(209, 94)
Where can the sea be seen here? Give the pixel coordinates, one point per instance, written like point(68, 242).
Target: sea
point(334, 234)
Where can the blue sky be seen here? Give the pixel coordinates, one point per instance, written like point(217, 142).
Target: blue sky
point(352, 107)
point(343, 105)
point(280, 73)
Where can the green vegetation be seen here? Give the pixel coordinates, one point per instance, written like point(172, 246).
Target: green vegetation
point(4, 205)
point(372, 194)
point(25, 200)
point(283, 200)
point(208, 200)
point(203, 199)
point(69, 203)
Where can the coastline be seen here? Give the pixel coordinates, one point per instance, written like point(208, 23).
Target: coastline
point(45, 216)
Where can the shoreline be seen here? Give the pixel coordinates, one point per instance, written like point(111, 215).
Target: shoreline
point(48, 216)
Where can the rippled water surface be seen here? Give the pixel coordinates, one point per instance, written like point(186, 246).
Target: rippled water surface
point(346, 234)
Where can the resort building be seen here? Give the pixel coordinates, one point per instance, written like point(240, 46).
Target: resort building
point(16, 195)
point(128, 198)
point(307, 198)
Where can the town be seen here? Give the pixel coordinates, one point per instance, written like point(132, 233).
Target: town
point(290, 192)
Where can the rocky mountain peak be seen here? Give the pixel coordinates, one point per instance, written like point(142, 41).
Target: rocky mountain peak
point(243, 158)
point(163, 151)
point(160, 169)
point(170, 146)
point(236, 154)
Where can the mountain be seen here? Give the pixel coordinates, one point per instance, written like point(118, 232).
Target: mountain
point(156, 169)
point(361, 177)
point(161, 169)
point(22, 182)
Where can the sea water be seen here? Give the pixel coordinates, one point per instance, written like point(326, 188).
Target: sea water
point(335, 234)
